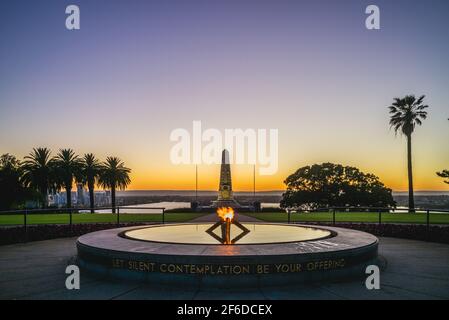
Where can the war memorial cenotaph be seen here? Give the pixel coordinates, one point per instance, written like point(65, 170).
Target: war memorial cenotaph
point(227, 253)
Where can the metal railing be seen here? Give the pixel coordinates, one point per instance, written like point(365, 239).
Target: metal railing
point(119, 210)
point(381, 211)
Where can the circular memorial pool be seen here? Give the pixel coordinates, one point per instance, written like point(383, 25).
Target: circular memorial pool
point(225, 254)
point(248, 233)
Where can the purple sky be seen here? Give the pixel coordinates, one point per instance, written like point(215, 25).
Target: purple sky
point(138, 69)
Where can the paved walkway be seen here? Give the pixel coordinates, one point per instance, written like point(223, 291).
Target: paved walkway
point(36, 270)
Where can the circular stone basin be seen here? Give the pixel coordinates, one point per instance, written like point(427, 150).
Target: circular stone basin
point(197, 234)
point(191, 255)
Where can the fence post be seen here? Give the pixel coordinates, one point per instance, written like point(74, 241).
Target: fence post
point(118, 216)
point(70, 214)
point(333, 216)
point(380, 217)
point(163, 215)
point(25, 224)
point(288, 212)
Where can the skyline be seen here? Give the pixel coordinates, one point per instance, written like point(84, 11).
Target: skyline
point(137, 70)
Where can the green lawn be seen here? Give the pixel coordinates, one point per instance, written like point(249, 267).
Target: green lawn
point(435, 218)
point(62, 218)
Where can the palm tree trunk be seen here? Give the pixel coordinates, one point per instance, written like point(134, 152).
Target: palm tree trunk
point(91, 198)
point(113, 198)
point(43, 190)
point(44, 200)
point(69, 197)
point(411, 201)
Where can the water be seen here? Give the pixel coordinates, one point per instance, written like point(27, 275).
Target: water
point(134, 209)
point(269, 205)
point(201, 234)
point(141, 208)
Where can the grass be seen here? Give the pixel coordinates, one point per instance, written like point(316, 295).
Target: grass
point(419, 218)
point(64, 218)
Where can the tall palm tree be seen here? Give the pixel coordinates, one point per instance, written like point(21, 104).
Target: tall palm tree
point(114, 175)
point(38, 172)
point(406, 113)
point(90, 171)
point(444, 174)
point(68, 167)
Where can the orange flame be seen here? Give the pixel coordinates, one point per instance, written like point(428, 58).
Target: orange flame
point(225, 213)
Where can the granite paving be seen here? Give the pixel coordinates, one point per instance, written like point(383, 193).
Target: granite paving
point(36, 270)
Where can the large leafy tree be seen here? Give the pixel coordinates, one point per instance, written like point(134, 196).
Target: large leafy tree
point(12, 191)
point(68, 168)
point(405, 114)
point(38, 172)
point(90, 171)
point(334, 185)
point(114, 175)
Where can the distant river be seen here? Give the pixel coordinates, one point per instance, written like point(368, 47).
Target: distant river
point(167, 205)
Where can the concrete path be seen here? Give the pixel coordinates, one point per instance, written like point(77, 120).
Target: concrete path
point(415, 270)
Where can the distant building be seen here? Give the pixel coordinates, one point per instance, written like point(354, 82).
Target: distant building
point(57, 199)
point(102, 198)
point(80, 198)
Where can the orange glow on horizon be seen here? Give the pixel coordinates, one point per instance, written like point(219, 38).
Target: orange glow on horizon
point(209, 182)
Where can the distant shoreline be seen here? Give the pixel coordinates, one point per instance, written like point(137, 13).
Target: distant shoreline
point(260, 193)
point(423, 199)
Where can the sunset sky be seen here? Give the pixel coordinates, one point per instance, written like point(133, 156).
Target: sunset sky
point(136, 70)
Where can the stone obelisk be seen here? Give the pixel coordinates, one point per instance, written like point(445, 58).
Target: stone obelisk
point(225, 187)
point(225, 195)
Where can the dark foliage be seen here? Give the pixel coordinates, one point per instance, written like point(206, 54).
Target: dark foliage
point(12, 191)
point(334, 185)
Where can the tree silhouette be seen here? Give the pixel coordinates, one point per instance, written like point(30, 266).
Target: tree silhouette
point(12, 191)
point(334, 185)
point(114, 175)
point(90, 171)
point(38, 172)
point(68, 167)
point(444, 174)
point(406, 114)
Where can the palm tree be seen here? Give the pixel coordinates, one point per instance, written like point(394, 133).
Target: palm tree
point(406, 113)
point(90, 171)
point(444, 174)
point(38, 172)
point(68, 167)
point(114, 175)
